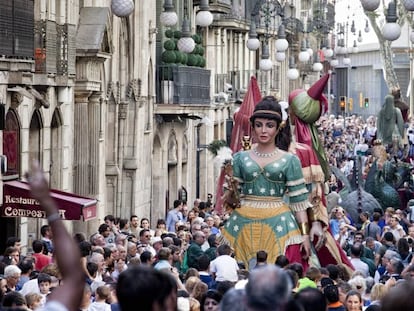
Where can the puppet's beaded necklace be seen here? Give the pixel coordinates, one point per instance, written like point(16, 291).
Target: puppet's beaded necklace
point(265, 155)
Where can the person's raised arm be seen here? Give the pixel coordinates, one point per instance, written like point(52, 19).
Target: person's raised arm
point(67, 254)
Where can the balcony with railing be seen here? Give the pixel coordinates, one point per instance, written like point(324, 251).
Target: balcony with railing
point(183, 85)
point(234, 83)
point(190, 86)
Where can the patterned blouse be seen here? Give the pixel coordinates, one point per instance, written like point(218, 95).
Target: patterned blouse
point(281, 178)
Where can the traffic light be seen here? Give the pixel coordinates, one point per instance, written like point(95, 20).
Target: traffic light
point(366, 101)
point(351, 104)
point(342, 103)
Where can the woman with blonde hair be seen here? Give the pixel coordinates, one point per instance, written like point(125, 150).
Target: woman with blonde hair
point(190, 282)
point(378, 291)
point(199, 290)
point(33, 300)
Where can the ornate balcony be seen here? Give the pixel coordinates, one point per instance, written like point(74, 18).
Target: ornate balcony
point(183, 85)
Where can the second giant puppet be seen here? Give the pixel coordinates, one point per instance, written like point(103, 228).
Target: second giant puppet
point(306, 107)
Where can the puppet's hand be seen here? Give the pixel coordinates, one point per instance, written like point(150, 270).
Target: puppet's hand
point(317, 234)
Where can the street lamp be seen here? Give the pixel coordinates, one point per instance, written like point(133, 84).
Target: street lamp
point(292, 73)
point(304, 55)
point(268, 10)
point(204, 18)
point(169, 18)
point(370, 5)
point(317, 65)
point(391, 30)
point(122, 8)
point(265, 63)
point(320, 24)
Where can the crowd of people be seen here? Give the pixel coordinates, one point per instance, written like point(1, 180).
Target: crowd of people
point(187, 269)
point(266, 255)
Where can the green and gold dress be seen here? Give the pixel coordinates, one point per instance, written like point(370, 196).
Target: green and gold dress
point(264, 221)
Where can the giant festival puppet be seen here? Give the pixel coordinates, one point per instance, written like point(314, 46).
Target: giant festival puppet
point(306, 107)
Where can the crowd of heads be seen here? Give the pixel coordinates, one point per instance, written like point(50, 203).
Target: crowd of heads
point(151, 268)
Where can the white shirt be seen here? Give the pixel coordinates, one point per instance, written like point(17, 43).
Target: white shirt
point(224, 268)
point(53, 305)
point(99, 306)
point(30, 286)
point(360, 266)
point(398, 231)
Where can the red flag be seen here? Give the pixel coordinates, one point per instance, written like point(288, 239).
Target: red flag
point(241, 127)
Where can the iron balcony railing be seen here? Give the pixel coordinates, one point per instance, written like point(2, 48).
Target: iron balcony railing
point(183, 85)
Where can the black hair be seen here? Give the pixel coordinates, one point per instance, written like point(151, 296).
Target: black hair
point(44, 229)
point(12, 240)
point(311, 299)
point(92, 268)
point(26, 265)
point(281, 261)
point(213, 294)
point(85, 248)
point(333, 271)
point(283, 138)
point(145, 257)
point(212, 240)
point(261, 256)
point(123, 222)
point(106, 252)
point(37, 246)
point(331, 293)
point(142, 232)
point(103, 227)
point(224, 249)
point(177, 203)
point(79, 237)
point(144, 284)
point(326, 281)
point(111, 218)
point(203, 262)
point(44, 278)
point(160, 222)
point(13, 299)
point(297, 267)
point(177, 241)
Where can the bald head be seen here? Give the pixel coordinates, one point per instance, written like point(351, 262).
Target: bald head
point(268, 289)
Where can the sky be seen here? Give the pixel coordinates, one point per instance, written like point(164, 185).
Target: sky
point(351, 10)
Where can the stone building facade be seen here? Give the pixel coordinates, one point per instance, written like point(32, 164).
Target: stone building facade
point(81, 92)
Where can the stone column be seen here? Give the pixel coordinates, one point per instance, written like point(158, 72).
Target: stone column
point(123, 109)
point(94, 129)
point(81, 181)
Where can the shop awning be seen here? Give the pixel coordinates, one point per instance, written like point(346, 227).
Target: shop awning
point(18, 202)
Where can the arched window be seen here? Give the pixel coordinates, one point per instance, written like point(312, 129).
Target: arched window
point(56, 150)
point(11, 143)
point(35, 137)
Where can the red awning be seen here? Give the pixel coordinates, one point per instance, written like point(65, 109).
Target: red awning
point(18, 202)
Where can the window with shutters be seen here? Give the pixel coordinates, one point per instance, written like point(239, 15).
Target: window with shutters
point(17, 28)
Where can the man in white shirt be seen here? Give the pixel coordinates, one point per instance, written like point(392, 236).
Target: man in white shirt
point(359, 265)
point(394, 227)
point(224, 267)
